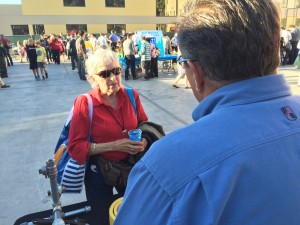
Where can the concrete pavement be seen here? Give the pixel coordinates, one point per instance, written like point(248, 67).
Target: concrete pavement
point(33, 114)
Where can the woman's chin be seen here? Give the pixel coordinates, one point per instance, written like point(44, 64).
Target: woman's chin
point(114, 88)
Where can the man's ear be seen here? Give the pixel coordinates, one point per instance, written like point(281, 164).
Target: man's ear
point(198, 74)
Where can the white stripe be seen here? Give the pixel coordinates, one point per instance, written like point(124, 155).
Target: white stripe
point(74, 185)
point(72, 162)
point(72, 180)
point(79, 170)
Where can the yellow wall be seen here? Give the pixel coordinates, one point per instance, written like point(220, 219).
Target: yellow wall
point(92, 7)
point(97, 28)
point(170, 9)
point(30, 29)
point(55, 28)
point(137, 15)
point(181, 4)
point(136, 27)
point(291, 4)
point(289, 12)
point(290, 21)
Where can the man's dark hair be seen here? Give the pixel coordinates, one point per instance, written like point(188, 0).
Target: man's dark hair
point(82, 32)
point(231, 39)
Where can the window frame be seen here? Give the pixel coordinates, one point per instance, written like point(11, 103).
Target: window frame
point(83, 5)
point(21, 25)
point(114, 6)
point(43, 29)
point(116, 27)
point(77, 29)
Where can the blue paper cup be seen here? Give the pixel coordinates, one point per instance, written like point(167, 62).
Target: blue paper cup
point(135, 135)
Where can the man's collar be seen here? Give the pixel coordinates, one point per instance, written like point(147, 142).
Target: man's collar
point(243, 92)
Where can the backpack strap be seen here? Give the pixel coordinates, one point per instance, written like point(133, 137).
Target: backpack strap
point(90, 105)
point(130, 94)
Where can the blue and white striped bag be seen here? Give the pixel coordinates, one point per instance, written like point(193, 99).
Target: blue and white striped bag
point(73, 176)
point(70, 172)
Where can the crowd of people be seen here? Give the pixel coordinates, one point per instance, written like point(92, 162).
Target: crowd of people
point(289, 48)
point(78, 46)
point(125, 45)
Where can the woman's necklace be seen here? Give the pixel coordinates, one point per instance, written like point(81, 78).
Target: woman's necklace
point(124, 131)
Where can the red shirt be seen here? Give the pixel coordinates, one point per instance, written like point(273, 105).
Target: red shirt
point(104, 126)
point(56, 45)
point(4, 41)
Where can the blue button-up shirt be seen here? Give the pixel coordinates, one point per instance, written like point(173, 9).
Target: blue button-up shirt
point(238, 164)
point(113, 37)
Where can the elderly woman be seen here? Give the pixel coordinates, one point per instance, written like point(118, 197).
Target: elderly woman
point(113, 117)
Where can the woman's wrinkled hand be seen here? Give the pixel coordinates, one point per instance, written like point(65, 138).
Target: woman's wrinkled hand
point(132, 147)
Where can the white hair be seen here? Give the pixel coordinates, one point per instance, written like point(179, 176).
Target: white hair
point(100, 58)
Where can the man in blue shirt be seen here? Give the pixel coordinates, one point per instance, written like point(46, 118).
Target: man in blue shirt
point(239, 162)
point(114, 40)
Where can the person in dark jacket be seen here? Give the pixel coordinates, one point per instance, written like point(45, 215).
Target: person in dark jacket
point(73, 52)
point(32, 56)
point(7, 45)
point(3, 68)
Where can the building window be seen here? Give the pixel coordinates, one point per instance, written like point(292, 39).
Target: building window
point(20, 29)
point(160, 7)
point(38, 29)
point(74, 3)
point(115, 3)
point(74, 28)
point(162, 27)
point(297, 24)
point(166, 8)
point(283, 3)
point(116, 27)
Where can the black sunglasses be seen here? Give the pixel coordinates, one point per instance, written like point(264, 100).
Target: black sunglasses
point(184, 62)
point(106, 73)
